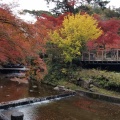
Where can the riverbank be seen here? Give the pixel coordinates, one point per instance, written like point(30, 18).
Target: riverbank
point(89, 80)
point(101, 94)
point(95, 81)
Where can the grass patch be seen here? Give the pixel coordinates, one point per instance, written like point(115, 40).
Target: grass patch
point(69, 85)
point(99, 90)
point(106, 82)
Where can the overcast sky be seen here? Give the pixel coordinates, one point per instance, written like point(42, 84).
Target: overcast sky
point(41, 5)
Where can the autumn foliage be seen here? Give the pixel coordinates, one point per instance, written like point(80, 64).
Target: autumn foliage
point(22, 42)
point(76, 30)
point(19, 41)
point(52, 22)
point(110, 37)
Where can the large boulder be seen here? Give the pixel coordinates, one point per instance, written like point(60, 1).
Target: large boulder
point(62, 88)
point(86, 84)
point(59, 88)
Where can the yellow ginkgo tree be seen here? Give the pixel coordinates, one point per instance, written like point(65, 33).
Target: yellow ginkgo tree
point(76, 30)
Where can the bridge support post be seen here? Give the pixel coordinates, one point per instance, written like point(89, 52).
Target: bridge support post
point(117, 55)
point(17, 116)
point(89, 55)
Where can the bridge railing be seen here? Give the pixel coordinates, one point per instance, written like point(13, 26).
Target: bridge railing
point(101, 55)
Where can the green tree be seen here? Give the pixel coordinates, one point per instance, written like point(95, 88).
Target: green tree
point(76, 30)
point(73, 6)
point(110, 13)
point(36, 12)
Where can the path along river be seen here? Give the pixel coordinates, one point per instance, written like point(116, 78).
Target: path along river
point(71, 108)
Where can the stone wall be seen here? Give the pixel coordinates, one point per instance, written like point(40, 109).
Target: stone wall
point(99, 96)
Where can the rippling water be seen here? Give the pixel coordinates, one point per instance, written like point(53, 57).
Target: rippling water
point(71, 108)
point(11, 90)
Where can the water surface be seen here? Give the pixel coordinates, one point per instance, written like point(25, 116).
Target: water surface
point(71, 108)
point(11, 90)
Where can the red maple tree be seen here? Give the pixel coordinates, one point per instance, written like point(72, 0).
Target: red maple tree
point(110, 37)
point(52, 22)
point(19, 41)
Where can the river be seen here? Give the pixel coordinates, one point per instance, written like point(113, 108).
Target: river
point(71, 108)
point(11, 90)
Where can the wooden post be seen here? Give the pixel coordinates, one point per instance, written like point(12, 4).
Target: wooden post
point(117, 54)
point(17, 116)
point(89, 55)
point(102, 55)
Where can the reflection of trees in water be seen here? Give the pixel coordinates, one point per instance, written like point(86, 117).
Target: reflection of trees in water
point(85, 104)
point(34, 86)
point(12, 90)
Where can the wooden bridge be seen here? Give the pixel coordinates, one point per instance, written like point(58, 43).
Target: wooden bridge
point(93, 57)
point(19, 69)
point(111, 56)
point(13, 70)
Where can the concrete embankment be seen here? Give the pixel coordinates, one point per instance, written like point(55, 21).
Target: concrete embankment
point(99, 96)
point(26, 101)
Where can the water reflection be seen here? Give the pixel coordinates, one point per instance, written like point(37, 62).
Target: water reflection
point(11, 90)
point(72, 108)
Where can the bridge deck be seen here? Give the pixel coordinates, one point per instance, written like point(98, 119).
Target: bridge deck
point(102, 62)
point(21, 69)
